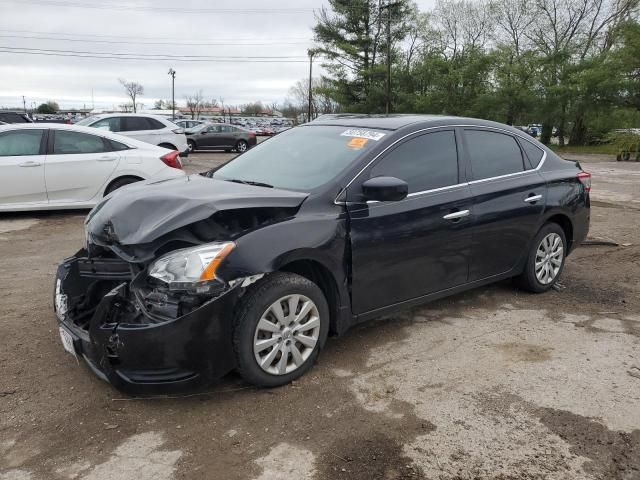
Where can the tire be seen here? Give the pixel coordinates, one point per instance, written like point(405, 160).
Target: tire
point(543, 244)
point(168, 145)
point(255, 310)
point(191, 146)
point(242, 146)
point(120, 182)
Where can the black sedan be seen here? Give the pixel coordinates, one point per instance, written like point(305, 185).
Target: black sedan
point(212, 136)
point(252, 265)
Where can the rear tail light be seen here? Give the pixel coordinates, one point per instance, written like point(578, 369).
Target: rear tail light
point(172, 159)
point(252, 134)
point(585, 179)
point(178, 130)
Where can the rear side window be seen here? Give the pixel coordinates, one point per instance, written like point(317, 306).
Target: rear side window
point(533, 153)
point(69, 143)
point(20, 142)
point(116, 146)
point(154, 124)
point(113, 124)
point(493, 154)
point(134, 124)
point(426, 162)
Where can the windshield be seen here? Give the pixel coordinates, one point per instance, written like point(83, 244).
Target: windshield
point(87, 121)
point(301, 158)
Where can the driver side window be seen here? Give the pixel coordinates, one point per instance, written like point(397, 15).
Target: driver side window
point(425, 162)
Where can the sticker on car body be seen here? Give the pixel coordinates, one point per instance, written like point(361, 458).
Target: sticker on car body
point(361, 133)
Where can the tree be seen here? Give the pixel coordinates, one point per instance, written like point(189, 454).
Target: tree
point(49, 107)
point(252, 109)
point(133, 90)
point(195, 104)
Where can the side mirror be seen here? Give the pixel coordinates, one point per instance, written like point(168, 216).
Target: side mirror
point(385, 189)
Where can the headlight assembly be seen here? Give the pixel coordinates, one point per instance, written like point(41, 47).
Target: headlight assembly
point(191, 268)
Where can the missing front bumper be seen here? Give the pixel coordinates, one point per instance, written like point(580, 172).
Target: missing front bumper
point(145, 356)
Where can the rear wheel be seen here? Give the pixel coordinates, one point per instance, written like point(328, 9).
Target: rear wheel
point(242, 146)
point(120, 182)
point(191, 146)
point(546, 259)
point(281, 324)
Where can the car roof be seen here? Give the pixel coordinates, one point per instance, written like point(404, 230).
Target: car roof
point(78, 128)
point(108, 115)
point(398, 121)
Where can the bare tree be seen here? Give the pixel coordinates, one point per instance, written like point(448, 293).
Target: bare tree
point(133, 89)
point(195, 104)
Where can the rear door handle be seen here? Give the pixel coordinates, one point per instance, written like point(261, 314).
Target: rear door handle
point(106, 159)
point(533, 198)
point(456, 215)
point(30, 164)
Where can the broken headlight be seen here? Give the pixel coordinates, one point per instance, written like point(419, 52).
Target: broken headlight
point(191, 268)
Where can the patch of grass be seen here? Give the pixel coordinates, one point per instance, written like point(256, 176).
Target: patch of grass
point(602, 149)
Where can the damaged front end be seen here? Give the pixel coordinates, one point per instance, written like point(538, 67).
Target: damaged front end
point(144, 338)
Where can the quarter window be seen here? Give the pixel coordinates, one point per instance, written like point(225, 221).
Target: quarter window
point(426, 162)
point(20, 142)
point(154, 124)
point(533, 153)
point(69, 143)
point(493, 154)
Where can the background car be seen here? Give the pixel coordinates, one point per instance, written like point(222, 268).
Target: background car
point(220, 136)
point(57, 166)
point(188, 123)
point(153, 129)
point(14, 117)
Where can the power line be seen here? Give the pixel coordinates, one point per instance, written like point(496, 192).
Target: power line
point(73, 34)
point(19, 51)
point(128, 42)
point(140, 8)
point(162, 55)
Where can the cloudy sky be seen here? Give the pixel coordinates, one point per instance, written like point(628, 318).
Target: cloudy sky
point(47, 49)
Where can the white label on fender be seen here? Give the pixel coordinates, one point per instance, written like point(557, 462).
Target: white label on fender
point(356, 132)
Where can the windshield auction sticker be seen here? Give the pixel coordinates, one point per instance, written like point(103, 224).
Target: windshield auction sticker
point(357, 143)
point(369, 134)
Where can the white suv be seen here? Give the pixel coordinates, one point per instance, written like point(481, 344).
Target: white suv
point(153, 129)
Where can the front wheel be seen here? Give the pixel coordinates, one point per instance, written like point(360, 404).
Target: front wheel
point(242, 146)
point(279, 328)
point(546, 259)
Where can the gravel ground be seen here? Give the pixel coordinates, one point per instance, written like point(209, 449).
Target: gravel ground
point(490, 384)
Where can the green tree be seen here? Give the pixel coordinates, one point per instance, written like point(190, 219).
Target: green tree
point(49, 107)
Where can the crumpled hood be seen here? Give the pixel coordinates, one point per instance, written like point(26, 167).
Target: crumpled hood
point(144, 211)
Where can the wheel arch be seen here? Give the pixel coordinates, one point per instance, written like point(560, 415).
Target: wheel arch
point(564, 221)
point(136, 178)
point(322, 276)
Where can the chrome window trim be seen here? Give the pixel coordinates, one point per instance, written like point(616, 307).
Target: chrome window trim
point(472, 182)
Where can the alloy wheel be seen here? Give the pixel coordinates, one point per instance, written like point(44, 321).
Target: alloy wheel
point(548, 259)
point(286, 334)
point(242, 147)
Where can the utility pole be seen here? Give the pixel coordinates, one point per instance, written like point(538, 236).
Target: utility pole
point(24, 104)
point(311, 52)
point(388, 8)
point(172, 72)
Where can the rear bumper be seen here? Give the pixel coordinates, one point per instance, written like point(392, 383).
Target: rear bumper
point(148, 357)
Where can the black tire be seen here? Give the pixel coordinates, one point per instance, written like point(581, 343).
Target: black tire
point(250, 309)
point(191, 145)
point(528, 279)
point(242, 146)
point(168, 145)
point(120, 182)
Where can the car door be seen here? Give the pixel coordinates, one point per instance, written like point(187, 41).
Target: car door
point(420, 245)
point(209, 136)
point(509, 199)
point(78, 165)
point(22, 159)
point(226, 136)
point(111, 124)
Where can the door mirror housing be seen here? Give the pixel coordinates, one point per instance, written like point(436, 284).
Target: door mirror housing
point(385, 189)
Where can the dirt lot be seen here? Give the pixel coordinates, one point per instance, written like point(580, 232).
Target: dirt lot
point(491, 384)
